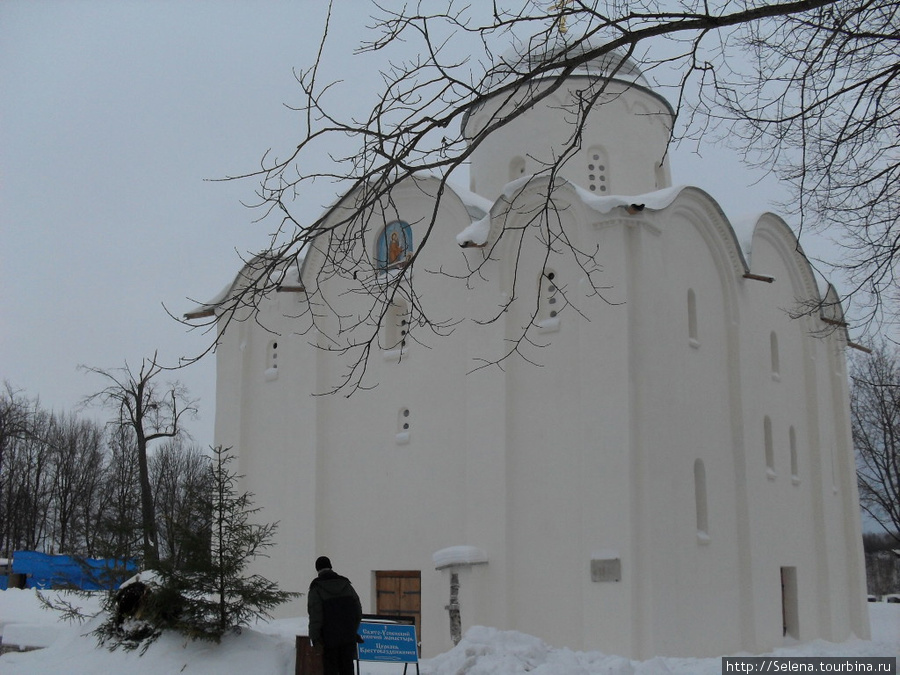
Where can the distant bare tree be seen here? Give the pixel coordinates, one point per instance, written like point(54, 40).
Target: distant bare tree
point(49, 479)
point(27, 484)
point(67, 485)
point(875, 409)
point(119, 509)
point(150, 411)
point(818, 100)
point(15, 424)
point(15, 413)
point(76, 459)
point(90, 508)
point(180, 475)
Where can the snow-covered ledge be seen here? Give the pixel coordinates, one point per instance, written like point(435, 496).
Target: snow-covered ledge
point(455, 556)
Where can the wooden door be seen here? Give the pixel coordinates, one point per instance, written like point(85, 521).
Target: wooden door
point(399, 593)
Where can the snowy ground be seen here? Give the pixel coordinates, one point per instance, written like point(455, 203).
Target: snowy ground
point(269, 650)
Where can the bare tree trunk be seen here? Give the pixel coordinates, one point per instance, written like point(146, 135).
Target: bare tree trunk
point(148, 517)
point(151, 414)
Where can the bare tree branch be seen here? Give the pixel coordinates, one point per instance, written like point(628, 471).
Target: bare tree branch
point(820, 84)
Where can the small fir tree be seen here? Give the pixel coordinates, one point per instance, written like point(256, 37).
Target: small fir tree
point(208, 593)
point(218, 595)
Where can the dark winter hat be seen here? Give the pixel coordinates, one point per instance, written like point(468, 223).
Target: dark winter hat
point(322, 563)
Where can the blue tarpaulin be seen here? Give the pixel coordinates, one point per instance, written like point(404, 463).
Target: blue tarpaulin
point(44, 570)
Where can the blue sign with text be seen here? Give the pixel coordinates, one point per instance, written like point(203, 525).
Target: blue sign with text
point(390, 642)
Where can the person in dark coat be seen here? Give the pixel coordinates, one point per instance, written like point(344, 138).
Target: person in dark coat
point(335, 613)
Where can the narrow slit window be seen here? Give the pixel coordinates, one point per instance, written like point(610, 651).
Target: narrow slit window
point(662, 180)
point(775, 358)
point(770, 450)
point(693, 334)
point(700, 501)
point(795, 464)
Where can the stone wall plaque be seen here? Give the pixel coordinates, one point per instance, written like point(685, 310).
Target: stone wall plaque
point(606, 569)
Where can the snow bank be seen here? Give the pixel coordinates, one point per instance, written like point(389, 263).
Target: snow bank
point(76, 653)
point(269, 648)
point(488, 651)
point(31, 635)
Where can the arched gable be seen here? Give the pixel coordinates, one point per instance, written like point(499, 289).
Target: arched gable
point(773, 231)
point(526, 199)
point(257, 273)
point(832, 312)
point(415, 208)
point(813, 295)
point(524, 210)
point(704, 213)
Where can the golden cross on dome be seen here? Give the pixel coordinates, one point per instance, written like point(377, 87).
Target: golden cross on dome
point(560, 5)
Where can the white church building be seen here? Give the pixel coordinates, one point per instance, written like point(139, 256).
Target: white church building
point(663, 468)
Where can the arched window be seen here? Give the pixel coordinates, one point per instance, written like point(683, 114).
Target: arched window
point(394, 247)
point(693, 335)
point(770, 450)
point(700, 501)
point(662, 180)
point(598, 171)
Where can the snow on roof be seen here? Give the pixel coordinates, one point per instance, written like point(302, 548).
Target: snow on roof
point(655, 201)
point(476, 205)
point(458, 555)
point(476, 234)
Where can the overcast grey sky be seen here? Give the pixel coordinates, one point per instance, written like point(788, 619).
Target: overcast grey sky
point(113, 115)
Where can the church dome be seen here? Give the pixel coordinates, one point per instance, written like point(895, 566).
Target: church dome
point(524, 58)
point(617, 145)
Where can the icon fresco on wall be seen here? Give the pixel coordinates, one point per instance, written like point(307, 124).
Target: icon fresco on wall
point(395, 246)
